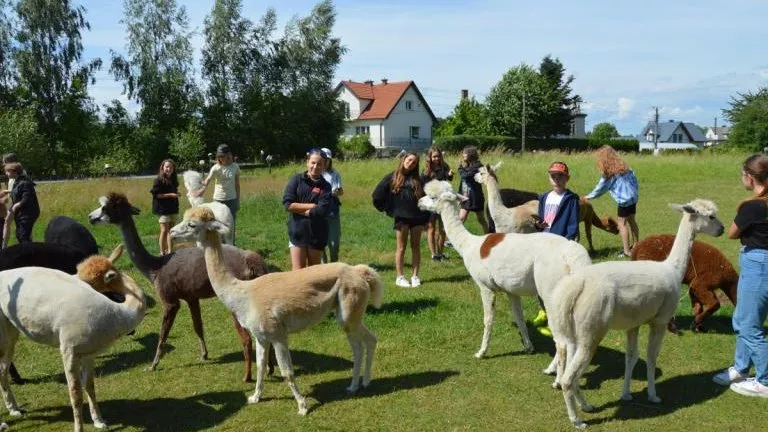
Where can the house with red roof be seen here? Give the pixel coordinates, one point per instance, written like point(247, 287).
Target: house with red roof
point(393, 114)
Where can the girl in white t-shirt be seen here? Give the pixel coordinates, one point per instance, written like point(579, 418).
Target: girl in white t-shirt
point(226, 174)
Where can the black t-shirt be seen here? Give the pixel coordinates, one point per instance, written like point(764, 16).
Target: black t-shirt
point(308, 231)
point(752, 220)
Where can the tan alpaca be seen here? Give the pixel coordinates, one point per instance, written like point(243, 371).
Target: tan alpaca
point(81, 323)
point(276, 304)
point(521, 219)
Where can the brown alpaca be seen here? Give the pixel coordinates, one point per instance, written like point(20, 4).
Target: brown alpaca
point(707, 270)
point(589, 217)
point(180, 276)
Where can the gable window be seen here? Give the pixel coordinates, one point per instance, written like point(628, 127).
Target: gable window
point(409, 105)
point(414, 132)
point(362, 130)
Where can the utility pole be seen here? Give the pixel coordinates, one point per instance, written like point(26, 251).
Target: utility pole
point(523, 140)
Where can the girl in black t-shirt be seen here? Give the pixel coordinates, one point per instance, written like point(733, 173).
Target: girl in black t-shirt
point(307, 197)
point(398, 195)
point(469, 166)
point(165, 202)
point(436, 169)
point(750, 226)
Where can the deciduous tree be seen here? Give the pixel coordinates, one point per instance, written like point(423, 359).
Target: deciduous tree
point(748, 115)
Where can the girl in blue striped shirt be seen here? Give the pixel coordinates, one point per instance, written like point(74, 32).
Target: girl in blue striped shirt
point(618, 179)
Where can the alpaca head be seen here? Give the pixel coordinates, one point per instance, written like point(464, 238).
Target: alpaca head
point(193, 181)
point(611, 225)
point(435, 193)
point(702, 215)
point(113, 208)
point(197, 222)
point(99, 271)
point(486, 172)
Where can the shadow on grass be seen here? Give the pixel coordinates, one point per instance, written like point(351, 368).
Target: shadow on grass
point(405, 307)
point(379, 267)
point(451, 278)
point(718, 324)
point(677, 393)
point(199, 412)
point(304, 362)
point(336, 390)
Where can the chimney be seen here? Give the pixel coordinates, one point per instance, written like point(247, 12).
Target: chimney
point(384, 81)
point(464, 94)
point(369, 82)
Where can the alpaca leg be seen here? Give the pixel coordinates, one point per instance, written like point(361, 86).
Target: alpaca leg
point(197, 324)
point(8, 337)
point(655, 338)
point(630, 359)
point(90, 393)
point(15, 376)
point(710, 304)
point(488, 300)
point(262, 347)
point(169, 315)
point(357, 356)
point(73, 369)
point(517, 313)
point(370, 341)
point(561, 351)
point(247, 343)
point(574, 369)
point(286, 369)
point(588, 233)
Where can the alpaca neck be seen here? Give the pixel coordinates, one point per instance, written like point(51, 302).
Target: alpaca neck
point(457, 233)
point(134, 296)
point(495, 204)
point(681, 248)
point(146, 263)
point(224, 283)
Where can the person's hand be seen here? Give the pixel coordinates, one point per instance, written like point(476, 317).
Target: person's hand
point(306, 213)
point(197, 193)
point(450, 172)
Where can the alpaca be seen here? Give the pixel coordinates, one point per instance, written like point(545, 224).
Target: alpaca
point(69, 232)
point(515, 264)
point(81, 323)
point(622, 295)
point(193, 181)
point(277, 304)
point(178, 276)
point(587, 215)
point(707, 271)
point(518, 219)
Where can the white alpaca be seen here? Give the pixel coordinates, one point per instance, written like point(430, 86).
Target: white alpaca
point(520, 219)
point(276, 304)
point(622, 296)
point(193, 181)
point(81, 323)
point(515, 264)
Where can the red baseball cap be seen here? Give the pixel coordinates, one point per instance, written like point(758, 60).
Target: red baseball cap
point(558, 167)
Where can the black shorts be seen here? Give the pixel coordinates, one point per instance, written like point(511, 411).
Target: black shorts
point(401, 222)
point(627, 211)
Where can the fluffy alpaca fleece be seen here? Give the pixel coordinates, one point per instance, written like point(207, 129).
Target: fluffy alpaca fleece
point(707, 271)
point(622, 296)
point(514, 264)
point(518, 219)
point(193, 181)
point(80, 324)
point(276, 304)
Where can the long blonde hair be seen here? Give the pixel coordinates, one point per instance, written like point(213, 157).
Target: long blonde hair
point(401, 176)
point(609, 163)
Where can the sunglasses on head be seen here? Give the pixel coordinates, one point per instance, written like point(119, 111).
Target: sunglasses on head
point(315, 150)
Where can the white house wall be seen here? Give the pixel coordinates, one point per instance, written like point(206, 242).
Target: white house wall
point(356, 106)
point(374, 130)
point(397, 126)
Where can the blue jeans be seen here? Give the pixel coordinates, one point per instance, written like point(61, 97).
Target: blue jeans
point(233, 205)
point(750, 314)
point(334, 238)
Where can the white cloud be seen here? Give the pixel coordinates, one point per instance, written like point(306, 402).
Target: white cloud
point(625, 107)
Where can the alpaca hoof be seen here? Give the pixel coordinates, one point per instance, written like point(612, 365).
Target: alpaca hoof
point(253, 399)
point(654, 399)
point(302, 409)
point(352, 389)
point(480, 354)
point(579, 424)
point(549, 371)
point(556, 385)
point(247, 379)
point(626, 397)
point(99, 425)
point(15, 412)
point(204, 357)
point(150, 368)
point(529, 350)
point(698, 328)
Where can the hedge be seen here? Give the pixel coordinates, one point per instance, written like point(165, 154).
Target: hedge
point(456, 143)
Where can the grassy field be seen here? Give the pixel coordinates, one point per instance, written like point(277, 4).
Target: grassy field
point(425, 377)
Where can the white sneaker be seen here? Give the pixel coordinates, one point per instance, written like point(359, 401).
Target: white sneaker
point(728, 377)
point(415, 281)
point(401, 281)
point(750, 387)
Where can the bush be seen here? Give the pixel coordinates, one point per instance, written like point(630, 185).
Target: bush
point(187, 146)
point(484, 143)
point(356, 147)
point(18, 134)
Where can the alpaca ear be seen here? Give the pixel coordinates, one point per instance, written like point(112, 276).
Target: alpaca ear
point(217, 226)
point(461, 197)
point(110, 275)
point(689, 209)
point(135, 211)
point(116, 252)
point(497, 166)
point(102, 201)
point(682, 208)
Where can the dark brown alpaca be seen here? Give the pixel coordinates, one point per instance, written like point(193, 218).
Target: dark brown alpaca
point(707, 271)
point(178, 276)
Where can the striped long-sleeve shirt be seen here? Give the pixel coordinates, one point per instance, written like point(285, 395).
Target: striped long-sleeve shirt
point(623, 188)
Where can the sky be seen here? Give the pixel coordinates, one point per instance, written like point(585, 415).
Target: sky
point(688, 58)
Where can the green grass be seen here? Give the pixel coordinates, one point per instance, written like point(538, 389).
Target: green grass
point(425, 377)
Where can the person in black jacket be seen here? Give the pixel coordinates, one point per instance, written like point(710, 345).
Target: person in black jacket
point(165, 202)
point(470, 165)
point(25, 208)
point(307, 197)
point(398, 194)
point(436, 169)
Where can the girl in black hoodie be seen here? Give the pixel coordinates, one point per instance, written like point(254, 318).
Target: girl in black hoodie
point(165, 202)
point(25, 208)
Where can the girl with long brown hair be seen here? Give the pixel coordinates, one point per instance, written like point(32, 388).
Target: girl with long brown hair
point(165, 202)
point(619, 179)
point(398, 194)
point(475, 202)
point(436, 169)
